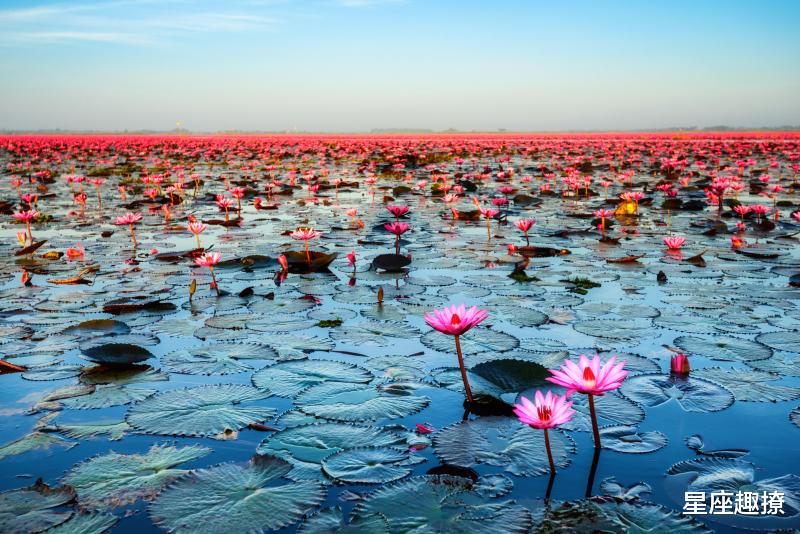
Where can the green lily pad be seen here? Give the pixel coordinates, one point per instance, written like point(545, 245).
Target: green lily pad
point(236, 498)
point(200, 411)
point(114, 479)
point(287, 379)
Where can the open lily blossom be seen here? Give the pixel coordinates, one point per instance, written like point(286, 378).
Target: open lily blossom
point(210, 260)
point(129, 219)
point(397, 210)
point(305, 234)
point(455, 321)
point(674, 242)
point(525, 225)
point(590, 377)
point(26, 217)
point(545, 412)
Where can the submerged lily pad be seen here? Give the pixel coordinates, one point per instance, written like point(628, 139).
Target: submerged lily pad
point(115, 479)
point(332, 520)
point(236, 498)
point(31, 442)
point(200, 411)
point(788, 341)
point(85, 523)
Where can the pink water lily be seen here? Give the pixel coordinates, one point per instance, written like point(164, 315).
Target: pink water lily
point(525, 225)
point(590, 377)
point(455, 321)
point(547, 411)
point(26, 217)
point(397, 210)
point(398, 229)
point(679, 364)
point(674, 242)
point(210, 260)
point(197, 228)
point(305, 234)
point(129, 219)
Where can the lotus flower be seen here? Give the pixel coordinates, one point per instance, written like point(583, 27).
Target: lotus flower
point(488, 213)
point(397, 210)
point(306, 233)
point(679, 364)
point(547, 411)
point(26, 217)
point(590, 377)
point(603, 214)
point(210, 260)
point(525, 225)
point(455, 321)
point(197, 228)
point(351, 258)
point(130, 219)
point(674, 242)
point(398, 229)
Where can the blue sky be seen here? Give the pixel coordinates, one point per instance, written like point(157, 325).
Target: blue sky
point(353, 65)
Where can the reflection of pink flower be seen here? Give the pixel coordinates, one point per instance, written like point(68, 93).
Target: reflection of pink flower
point(547, 411)
point(674, 242)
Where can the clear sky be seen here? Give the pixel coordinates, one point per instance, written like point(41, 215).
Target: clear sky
point(354, 65)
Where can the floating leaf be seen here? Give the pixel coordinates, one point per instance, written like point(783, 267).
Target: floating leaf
point(287, 379)
point(117, 353)
point(105, 396)
point(332, 520)
point(749, 385)
point(367, 465)
point(33, 509)
point(475, 341)
point(114, 479)
point(724, 348)
point(200, 411)
point(85, 523)
point(31, 442)
point(693, 394)
point(373, 333)
point(217, 358)
point(611, 329)
point(628, 439)
point(236, 498)
point(441, 504)
point(491, 486)
point(788, 341)
point(502, 442)
point(357, 402)
point(305, 446)
point(114, 430)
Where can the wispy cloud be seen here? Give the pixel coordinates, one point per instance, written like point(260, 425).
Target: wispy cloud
point(364, 3)
point(129, 22)
point(68, 36)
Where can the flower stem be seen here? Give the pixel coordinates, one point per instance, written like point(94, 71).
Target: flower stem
point(133, 235)
point(308, 255)
point(463, 370)
point(549, 452)
point(595, 431)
